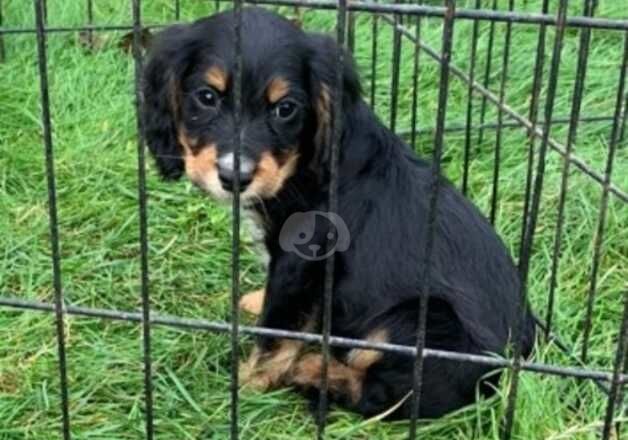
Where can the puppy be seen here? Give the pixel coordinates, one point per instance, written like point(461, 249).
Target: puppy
point(288, 82)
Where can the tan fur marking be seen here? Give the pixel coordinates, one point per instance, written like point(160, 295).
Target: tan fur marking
point(341, 379)
point(253, 302)
point(186, 142)
point(200, 163)
point(266, 371)
point(200, 166)
point(250, 372)
point(323, 113)
point(362, 359)
point(270, 175)
point(174, 97)
point(217, 78)
point(277, 89)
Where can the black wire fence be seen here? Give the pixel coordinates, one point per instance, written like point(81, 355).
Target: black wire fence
point(406, 22)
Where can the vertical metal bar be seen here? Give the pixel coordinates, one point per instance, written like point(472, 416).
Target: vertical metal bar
point(235, 244)
point(2, 48)
point(374, 36)
point(143, 222)
point(599, 235)
point(487, 73)
point(90, 21)
point(622, 136)
point(351, 32)
point(500, 116)
point(622, 391)
point(177, 10)
point(417, 382)
point(42, 60)
point(576, 106)
point(415, 84)
point(333, 207)
point(469, 119)
point(526, 250)
point(394, 82)
point(533, 116)
point(615, 392)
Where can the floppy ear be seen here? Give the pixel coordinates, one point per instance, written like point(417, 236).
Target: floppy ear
point(323, 66)
point(160, 106)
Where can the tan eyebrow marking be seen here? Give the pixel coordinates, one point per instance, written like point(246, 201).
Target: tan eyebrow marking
point(217, 78)
point(277, 89)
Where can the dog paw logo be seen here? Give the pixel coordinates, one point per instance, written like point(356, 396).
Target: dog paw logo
point(304, 232)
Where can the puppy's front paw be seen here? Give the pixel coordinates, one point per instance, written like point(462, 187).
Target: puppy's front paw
point(254, 378)
point(253, 374)
point(253, 302)
point(265, 370)
point(257, 381)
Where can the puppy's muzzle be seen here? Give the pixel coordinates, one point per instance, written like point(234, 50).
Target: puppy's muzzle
point(227, 174)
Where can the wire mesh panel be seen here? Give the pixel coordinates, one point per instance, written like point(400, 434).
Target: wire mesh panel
point(419, 106)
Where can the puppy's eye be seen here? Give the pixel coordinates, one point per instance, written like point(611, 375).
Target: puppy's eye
point(285, 109)
point(207, 98)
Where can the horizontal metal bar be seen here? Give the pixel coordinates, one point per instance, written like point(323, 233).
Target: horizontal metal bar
point(452, 128)
point(562, 346)
point(401, 9)
point(470, 14)
point(86, 28)
point(336, 341)
point(463, 13)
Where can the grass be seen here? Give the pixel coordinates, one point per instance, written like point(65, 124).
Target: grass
point(95, 147)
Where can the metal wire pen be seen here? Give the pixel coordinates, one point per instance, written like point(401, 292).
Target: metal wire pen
point(407, 25)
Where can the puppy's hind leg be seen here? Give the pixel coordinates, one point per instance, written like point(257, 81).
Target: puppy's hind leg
point(344, 383)
point(269, 365)
point(266, 370)
point(345, 380)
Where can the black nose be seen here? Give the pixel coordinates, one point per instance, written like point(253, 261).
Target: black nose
point(227, 179)
point(226, 172)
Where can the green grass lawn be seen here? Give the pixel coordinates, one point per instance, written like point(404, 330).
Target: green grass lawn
point(94, 136)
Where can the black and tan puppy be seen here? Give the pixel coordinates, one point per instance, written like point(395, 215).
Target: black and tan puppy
point(383, 193)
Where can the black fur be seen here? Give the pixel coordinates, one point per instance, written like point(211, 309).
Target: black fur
point(383, 196)
point(159, 101)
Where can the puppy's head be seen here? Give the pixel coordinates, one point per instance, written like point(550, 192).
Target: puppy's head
point(288, 79)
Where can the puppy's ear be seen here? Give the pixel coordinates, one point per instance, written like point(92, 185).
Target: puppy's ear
point(323, 65)
point(160, 106)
